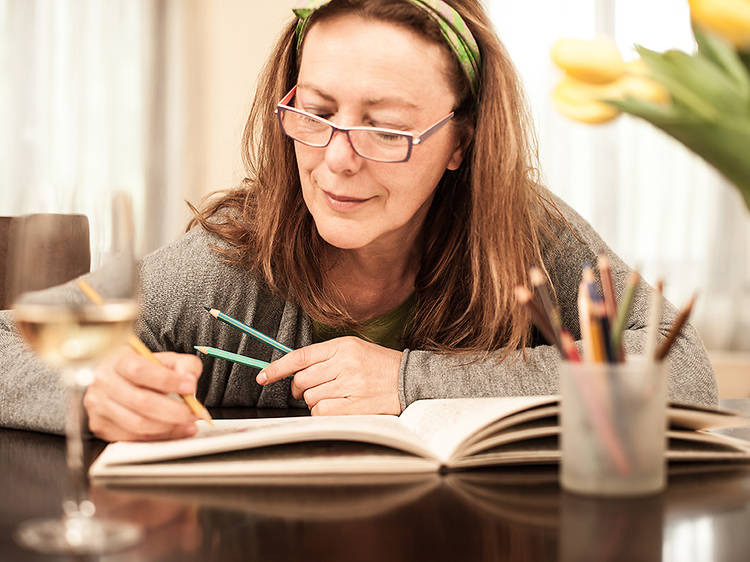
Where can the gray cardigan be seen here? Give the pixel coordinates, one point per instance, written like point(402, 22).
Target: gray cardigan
point(179, 279)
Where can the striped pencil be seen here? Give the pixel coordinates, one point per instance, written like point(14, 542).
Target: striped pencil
point(229, 356)
point(219, 315)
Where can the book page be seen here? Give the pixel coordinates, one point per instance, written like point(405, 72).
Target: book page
point(696, 417)
point(232, 435)
point(289, 462)
point(444, 424)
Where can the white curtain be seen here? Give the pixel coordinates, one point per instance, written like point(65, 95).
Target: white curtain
point(94, 97)
point(656, 204)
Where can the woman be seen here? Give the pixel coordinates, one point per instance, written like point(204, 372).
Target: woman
point(412, 238)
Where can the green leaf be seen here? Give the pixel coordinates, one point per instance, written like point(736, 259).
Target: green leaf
point(652, 111)
point(745, 58)
point(723, 55)
point(709, 81)
point(663, 70)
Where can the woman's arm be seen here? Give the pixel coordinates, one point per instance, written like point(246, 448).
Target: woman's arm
point(534, 371)
point(31, 395)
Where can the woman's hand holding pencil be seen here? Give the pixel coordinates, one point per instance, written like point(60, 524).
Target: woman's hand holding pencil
point(340, 376)
point(129, 398)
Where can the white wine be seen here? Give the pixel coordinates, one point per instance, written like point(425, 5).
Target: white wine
point(75, 336)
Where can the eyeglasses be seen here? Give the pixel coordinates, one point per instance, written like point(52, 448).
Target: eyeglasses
point(373, 143)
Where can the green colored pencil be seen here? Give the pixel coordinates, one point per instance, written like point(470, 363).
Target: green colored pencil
point(218, 314)
point(623, 311)
point(229, 356)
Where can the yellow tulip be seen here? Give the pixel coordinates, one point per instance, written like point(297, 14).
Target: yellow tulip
point(728, 18)
point(642, 88)
point(637, 67)
point(598, 60)
point(580, 101)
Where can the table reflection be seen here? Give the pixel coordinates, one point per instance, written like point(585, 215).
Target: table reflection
point(516, 513)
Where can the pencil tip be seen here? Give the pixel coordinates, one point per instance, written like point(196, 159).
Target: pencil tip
point(522, 294)
point(536, 276)
point(200, 348)
point(207, 308)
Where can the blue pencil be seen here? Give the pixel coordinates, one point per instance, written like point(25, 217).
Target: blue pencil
point(247, 329)
point(229, 356)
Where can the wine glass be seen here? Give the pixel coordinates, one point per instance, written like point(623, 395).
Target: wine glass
point(71, 328)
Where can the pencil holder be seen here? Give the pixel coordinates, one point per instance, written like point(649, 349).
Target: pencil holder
point(613, 427)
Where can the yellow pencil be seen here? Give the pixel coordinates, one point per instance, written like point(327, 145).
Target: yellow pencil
point(140, 348)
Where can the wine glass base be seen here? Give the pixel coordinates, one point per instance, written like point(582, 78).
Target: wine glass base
point(77, 535)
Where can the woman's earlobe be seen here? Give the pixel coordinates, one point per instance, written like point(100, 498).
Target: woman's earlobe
point(458, 154)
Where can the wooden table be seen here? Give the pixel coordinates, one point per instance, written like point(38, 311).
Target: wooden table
point(510, 514)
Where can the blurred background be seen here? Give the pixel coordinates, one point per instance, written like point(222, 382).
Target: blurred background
point(151, 96)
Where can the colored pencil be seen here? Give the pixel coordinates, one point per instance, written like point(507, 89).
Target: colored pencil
point(602, 422)
point(524, 297)
point(229, 356)
point(569, 345)
point(654, 319)
point(608, 290)
point(623, 311)
point(139, 347)
point(247, 329)
point(549, 308)
point(584, 320)
point(597, 317)
point(679, 323)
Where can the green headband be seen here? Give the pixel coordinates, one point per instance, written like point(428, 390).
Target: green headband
point(452, 26)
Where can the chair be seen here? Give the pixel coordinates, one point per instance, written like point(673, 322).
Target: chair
point(64, 241)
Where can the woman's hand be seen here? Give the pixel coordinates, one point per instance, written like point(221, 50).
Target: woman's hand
point(341, 376)
point(128, 399)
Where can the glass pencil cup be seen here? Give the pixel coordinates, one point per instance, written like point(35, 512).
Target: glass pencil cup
point(613, 427)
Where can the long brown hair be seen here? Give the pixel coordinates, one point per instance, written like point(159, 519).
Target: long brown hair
point(483, 230)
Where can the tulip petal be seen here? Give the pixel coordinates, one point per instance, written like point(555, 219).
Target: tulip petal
point(582, 102)
point(728, 18)
point(597, 61)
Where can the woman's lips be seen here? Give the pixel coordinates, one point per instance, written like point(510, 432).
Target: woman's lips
point(343, 202)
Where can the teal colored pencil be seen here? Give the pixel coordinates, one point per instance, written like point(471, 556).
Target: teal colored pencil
point(218, 314)
point(229, 356)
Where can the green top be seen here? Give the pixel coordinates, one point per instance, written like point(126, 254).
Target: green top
point(386, 330)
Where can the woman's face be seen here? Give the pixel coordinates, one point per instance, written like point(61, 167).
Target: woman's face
point(357, 72)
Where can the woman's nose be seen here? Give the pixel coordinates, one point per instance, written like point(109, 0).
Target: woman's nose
point(340, 155)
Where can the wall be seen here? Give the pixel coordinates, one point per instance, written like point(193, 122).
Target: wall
point(236, 37)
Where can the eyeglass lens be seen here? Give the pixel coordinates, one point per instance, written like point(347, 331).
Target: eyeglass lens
point(372, 143)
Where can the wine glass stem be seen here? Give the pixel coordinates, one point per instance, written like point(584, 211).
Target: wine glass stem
point(77, 503)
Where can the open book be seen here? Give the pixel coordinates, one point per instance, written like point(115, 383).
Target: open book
point(428, 436)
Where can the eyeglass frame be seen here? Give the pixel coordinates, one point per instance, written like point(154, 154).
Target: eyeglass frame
point(411, 138)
